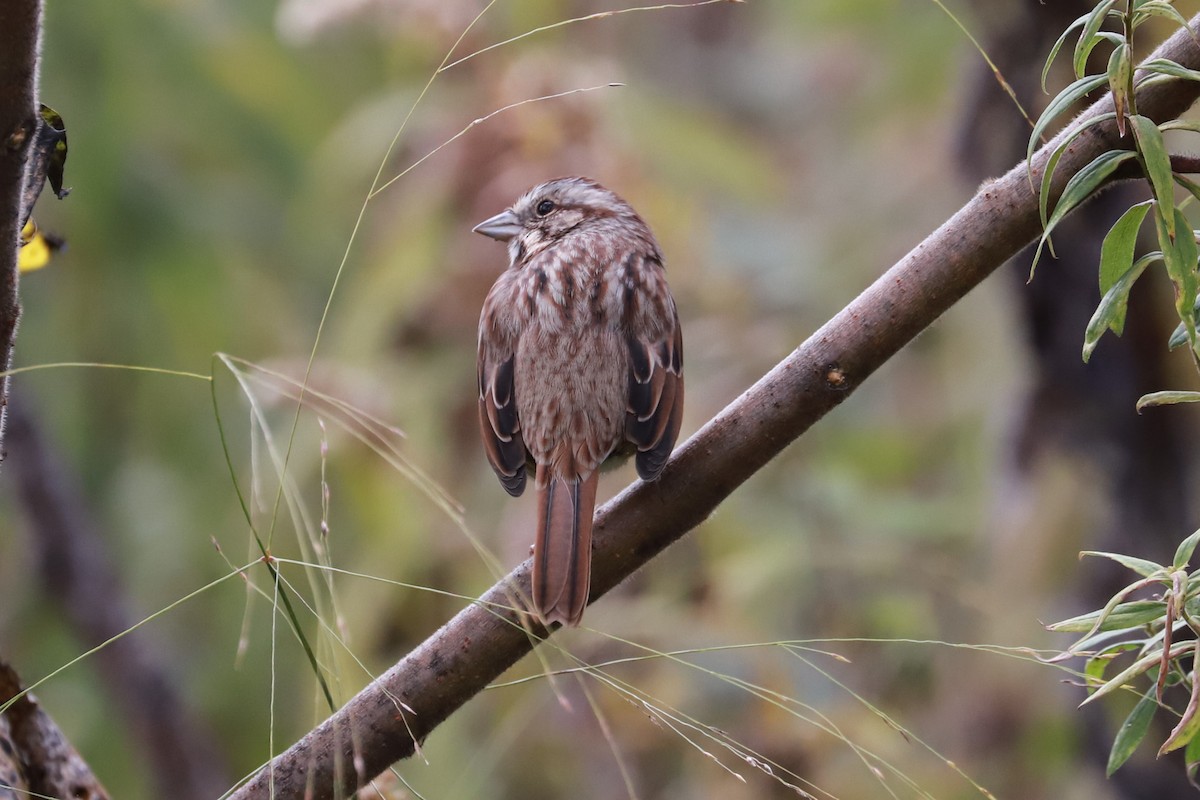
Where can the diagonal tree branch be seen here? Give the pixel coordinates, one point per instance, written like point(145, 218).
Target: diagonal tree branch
point(382, 723)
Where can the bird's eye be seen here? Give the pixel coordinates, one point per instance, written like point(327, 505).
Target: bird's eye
point(545, 207)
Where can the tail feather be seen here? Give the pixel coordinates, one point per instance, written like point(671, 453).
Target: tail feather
point(562, 552)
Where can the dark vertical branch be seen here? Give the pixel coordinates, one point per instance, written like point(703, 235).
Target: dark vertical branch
point(20, 38)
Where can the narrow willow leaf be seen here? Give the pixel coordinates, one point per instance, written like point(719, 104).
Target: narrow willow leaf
point(1180, 335)
point(1166, 399)
point(1126, 615)
point(1052, 162)
point(1183, 553)
point(1120, 83)
point(1158, 8)
point(1163, 66)
point(1133, 731)
point(1179, 257)
point(1043, 206)
point(1181, 124)
point(1154, 156)
point(1084, 182)
point(1061, 104)
point(1114, 602)
point(1095, 666)
point(1088, 38)
point(1116, 253)
point(1144, 82)
point(1139, 565)
point(1102, 643)
point(1110, 314)
point(1138, 667)
point(1058, 46)
point(1048, 180)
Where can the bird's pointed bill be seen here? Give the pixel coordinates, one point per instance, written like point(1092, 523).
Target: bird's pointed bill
point(502, 227)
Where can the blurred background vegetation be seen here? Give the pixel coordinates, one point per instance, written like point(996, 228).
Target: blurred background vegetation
point(785, 153)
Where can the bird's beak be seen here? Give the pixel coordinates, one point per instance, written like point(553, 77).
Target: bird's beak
point(502, 227)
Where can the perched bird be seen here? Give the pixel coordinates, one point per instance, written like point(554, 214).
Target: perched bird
point(580, 359)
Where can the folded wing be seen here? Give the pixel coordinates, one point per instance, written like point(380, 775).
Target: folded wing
point(499, 423)
point(655, 408)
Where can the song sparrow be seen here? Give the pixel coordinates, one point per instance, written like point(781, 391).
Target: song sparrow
point(580, 359)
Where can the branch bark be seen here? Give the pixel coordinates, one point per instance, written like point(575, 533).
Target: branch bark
point(20, 35)
point(384, 721)
point(46, 765)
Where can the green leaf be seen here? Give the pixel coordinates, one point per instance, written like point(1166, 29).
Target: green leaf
point(1048, 180)
point(1110, 314)
point(1158, 8)
point(1094, 669)
point(1179, 336)
point(1157, 163)
point(1088, 38)
point(1116, 253)
point(1084, 183)
point(1146, 662)
point(1183, 553)
point(1164, 66)
point(1179, 257)
point(1095, 666)
point(1166, 399)
point(1044, 191)
point(1058, 46)
point(1133, 731)
point(1120, 82)
point(1133, 614)
point(1141, 566)
point(1181, 124)
point(1061, 104)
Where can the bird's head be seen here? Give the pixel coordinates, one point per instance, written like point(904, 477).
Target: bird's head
point(552, 210)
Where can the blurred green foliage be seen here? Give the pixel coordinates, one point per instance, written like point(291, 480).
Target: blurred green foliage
point(785, 153)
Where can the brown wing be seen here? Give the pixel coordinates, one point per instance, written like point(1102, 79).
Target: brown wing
point(655, 408)
point(499, 424)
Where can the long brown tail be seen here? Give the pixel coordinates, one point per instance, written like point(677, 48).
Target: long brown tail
point(562, 552)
